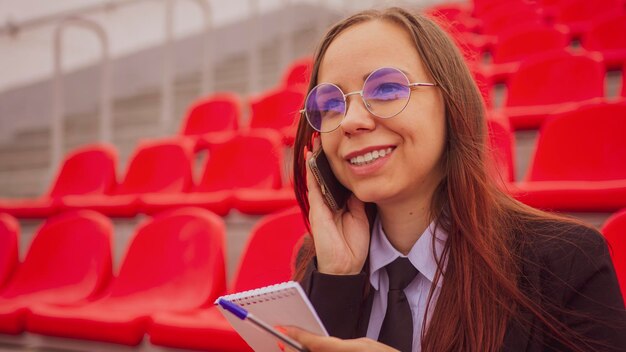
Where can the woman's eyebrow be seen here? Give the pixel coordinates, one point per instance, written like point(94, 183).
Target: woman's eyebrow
point(368, 74)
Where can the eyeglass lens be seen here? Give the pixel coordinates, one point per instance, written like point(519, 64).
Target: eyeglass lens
point(386, 93)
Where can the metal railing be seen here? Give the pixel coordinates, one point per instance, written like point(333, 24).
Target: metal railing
point(58, 93)
point(167, 76)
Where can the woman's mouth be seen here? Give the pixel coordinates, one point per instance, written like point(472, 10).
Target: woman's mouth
point(370, 157)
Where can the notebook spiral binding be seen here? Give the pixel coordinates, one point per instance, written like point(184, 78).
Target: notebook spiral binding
point(268, 293)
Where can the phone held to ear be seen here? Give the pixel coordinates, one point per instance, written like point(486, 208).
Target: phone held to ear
point(335, 194)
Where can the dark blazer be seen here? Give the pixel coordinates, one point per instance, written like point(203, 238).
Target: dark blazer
point(567, 266)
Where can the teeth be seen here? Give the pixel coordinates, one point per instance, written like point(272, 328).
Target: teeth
point(370, 157)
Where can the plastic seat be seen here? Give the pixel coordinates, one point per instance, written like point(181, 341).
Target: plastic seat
point(279, 110)
point(507, 15)
point(174, 263)
point(579, 15)
point(579, 161)
point(262, 191)
point(214, 117)
point(69, 261)
point(614, 230)
point(556, 80)
point(607, 37)
point(268, 258)
point(501, 144)
point(261, 202)
point(298, 73)
point(9, 236)
point(624, 82)
point(248, 163)
point(520, 43)
point(87, 170)
point(156, 167)
point(480, 7)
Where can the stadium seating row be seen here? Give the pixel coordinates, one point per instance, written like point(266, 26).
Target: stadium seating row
point(242, 172)
point(539, 79)
point(172, 272)
point(217, 117)
point(577, 166)
point(490, 18)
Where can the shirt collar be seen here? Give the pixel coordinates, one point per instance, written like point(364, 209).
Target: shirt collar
point(420, 255)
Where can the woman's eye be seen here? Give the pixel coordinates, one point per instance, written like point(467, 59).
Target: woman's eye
point(333, 105)
point(388, 91)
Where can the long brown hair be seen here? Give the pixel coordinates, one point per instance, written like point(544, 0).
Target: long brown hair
point(480, 293)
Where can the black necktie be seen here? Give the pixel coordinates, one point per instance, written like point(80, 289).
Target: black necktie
point(397, 328)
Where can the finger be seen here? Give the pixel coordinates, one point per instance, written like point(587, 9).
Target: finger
point(317, 143)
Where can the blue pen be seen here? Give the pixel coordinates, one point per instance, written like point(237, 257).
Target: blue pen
point(243, 314)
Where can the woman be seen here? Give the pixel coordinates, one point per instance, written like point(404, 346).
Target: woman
point(401, 122)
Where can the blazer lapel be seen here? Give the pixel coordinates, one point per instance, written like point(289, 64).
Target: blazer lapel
point(366, 311)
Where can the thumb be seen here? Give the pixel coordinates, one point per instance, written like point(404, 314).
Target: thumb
point(309, 341)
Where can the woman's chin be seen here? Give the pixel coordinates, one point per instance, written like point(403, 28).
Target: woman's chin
point(371, 196)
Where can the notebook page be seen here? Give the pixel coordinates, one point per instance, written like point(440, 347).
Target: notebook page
point(281, 304)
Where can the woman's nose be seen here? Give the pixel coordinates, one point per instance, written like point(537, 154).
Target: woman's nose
point(358, 119)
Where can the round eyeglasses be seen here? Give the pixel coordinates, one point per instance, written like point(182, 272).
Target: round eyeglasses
point(386, 92)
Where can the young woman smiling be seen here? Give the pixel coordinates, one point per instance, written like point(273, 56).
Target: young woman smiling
point(394, 108)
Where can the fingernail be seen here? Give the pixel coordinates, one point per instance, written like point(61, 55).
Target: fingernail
point(281, 345)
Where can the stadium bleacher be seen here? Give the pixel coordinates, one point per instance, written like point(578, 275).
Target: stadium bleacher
point(553, 67)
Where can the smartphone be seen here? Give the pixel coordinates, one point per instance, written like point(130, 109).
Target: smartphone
point(335, 194)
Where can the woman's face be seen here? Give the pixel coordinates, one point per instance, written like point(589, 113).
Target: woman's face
point(415, 137)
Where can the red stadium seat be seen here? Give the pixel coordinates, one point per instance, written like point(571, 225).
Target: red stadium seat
point(482, 6)
point(579, 15)
point(614, 230)
point(501, 143)
point(9, 236)
point(247, 163)
point(156, 167)
point(69, 261)
point(607, 37)
point(556, 80)
point(260, 202)
point(88, 170)
point(279, 110)
point(519, 43)
point(214, 117)
point(174, 263)
point(624, 82)
point(268, 259)
point(509, 14)
point(579, 161)
point(298, 73)
point(260, 192)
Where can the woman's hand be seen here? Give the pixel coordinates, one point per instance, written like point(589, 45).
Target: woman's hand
point(317, 343)
point(342, 238)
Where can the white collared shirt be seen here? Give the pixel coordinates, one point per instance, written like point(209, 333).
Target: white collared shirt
point(421, 256)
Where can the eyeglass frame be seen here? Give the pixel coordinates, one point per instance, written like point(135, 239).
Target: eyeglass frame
point(410, 85)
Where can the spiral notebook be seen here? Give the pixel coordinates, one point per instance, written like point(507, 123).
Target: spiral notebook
point(282, 304)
